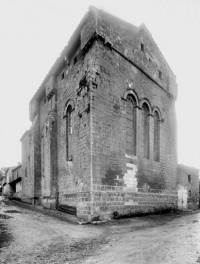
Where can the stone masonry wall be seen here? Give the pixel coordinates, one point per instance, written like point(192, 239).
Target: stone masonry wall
point(25, 170)
point(109, 59)
point(74, 88)
point(109, 125)
point(109, 200)
point(35, 160)
point(119, 75)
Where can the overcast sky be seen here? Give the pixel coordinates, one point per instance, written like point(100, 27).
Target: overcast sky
point(34, 32)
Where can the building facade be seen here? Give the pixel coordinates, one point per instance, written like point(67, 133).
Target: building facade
point(103, 134)
point(7, 189)
point(12, 182)
point(188, 187)
point(16, 181)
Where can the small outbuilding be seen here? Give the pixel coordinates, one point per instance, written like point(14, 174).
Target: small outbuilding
point(188, 187)
point(11, 182)
point(16, 181)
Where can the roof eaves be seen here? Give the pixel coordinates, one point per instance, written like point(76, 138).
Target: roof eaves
point(15, 168)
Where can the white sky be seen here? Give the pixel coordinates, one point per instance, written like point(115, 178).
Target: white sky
point(34, 32)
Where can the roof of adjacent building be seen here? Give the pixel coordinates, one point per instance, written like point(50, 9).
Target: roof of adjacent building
point(188, 168)
point(17, 167)
point(26, 133)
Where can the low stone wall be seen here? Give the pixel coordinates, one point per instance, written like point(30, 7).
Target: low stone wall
point(80, 199)
point(31, 200)
point(49, 202)
point(17, 195)
point(105, 200)
point(68, 198)
point(27, 200)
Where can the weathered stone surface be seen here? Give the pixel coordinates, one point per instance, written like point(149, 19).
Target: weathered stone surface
point(92, 161)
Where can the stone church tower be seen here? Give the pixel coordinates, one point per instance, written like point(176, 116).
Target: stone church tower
point(103, 134)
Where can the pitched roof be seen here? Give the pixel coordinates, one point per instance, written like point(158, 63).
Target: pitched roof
point(99, 14)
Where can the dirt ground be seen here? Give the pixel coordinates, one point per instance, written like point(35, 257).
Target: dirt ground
point(30, 237)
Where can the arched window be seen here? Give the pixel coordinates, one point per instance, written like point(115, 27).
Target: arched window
point(130, 126)
point(68, 132)
point(156, 137)
point(145, 126)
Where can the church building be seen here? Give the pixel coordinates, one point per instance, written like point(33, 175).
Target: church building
point(103, 133)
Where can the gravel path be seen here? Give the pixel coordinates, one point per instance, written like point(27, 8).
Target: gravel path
point(36, 238)
point(31, 237)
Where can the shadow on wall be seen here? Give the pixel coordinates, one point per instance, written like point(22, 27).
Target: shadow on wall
point(151, 182)
point(113, 177)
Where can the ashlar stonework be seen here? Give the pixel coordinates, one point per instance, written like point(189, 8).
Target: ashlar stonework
point(103, 134)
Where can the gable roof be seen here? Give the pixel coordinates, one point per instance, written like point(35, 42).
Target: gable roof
point(144, 27)
point(98, 13)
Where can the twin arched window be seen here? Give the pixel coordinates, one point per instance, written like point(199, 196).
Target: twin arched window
point(131, 124)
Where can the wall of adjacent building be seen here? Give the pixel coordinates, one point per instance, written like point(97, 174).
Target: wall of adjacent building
point(188, 180)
